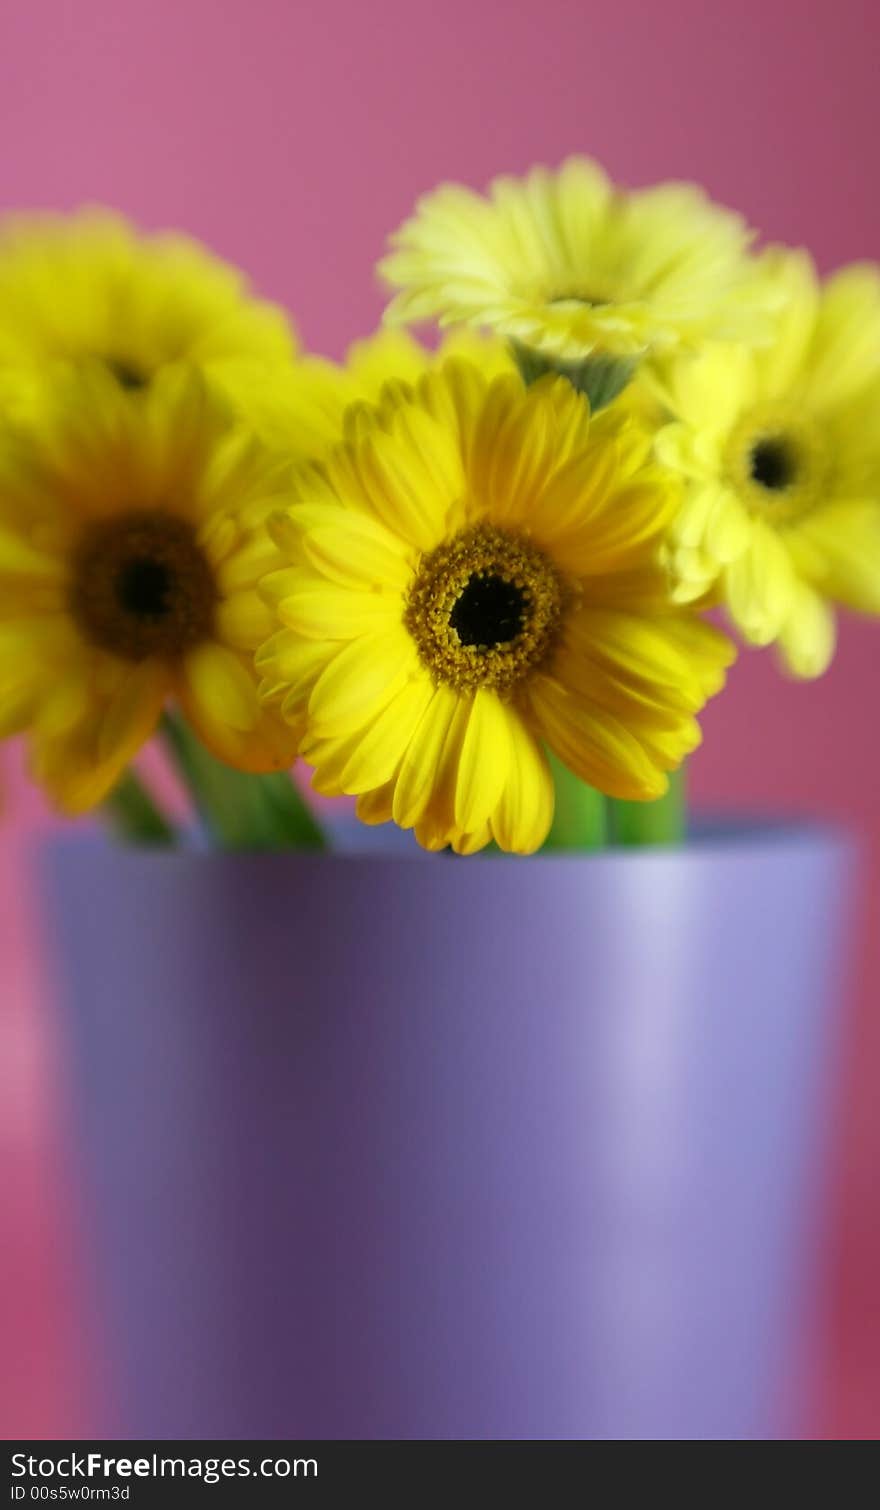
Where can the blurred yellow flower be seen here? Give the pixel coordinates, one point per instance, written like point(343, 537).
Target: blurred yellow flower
point(781, 450)
point(301, 410)
point(568, 264)
point(471, 576)
point(88, 285)
point(131, 541)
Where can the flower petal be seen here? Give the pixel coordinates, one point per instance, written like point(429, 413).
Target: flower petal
point(221, 686)
point(759, 586)
point(353, 549)
point(244, 620)
point(807, 638)
point(838, 550)
point(421, 762)
point(593, 743)
point(522, 817)
point(359, 681)
point(412, 478)
point(484, 761)
point(358, 762)
point(322, 612)
point(133, 713)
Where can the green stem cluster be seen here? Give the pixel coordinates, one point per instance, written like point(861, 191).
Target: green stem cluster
point(580, 818)
point(240, 810)
point(133, 814)
point(584, 820)
point(237, 810)
point(661, 822)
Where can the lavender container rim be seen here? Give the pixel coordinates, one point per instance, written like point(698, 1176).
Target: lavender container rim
point(708, 835)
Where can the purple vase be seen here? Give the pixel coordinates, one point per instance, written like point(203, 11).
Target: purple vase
point(380, 1146)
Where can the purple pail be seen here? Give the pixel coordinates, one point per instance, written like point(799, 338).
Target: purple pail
point(379, 1146)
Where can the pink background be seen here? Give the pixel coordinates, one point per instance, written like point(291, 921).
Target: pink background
point(292, 137)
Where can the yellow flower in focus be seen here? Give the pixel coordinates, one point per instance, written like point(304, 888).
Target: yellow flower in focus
point(88, 285)
point(568, 264)
point(781, 450)
point(132, 539)
point(472, 577)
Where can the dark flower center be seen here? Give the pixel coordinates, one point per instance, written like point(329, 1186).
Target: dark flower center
point(142, 586)
point(773, 463)
point(484, 609)
point(145, 588)
point(127, 374)
point(490, 611)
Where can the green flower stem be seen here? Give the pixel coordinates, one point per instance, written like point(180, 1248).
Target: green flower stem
point(132, 814)
point(644, 823)
point(240, 810)
point(579, 819)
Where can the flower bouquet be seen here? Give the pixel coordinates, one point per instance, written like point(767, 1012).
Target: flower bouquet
point(466, 1147)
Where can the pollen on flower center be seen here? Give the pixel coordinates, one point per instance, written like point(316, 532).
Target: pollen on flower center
point(485, 609)
point(142, 586)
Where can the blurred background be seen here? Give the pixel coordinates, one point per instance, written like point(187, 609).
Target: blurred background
point(292, 137)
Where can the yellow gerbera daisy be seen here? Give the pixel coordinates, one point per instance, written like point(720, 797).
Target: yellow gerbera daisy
point(131, 543)
point(568, 264)
point(472, 577)
point(88, 285)
point(781, 448)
